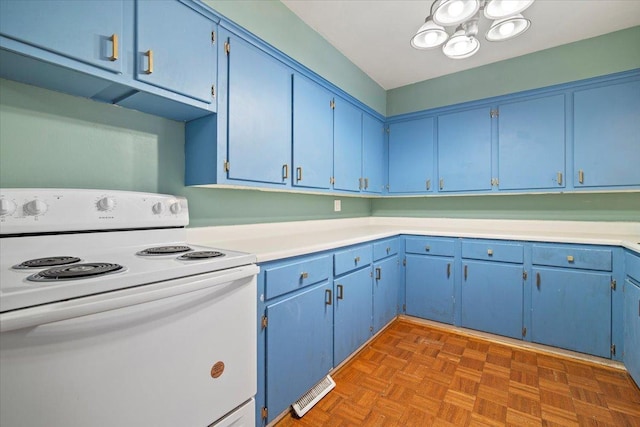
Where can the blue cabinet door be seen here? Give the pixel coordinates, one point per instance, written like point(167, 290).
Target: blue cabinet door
point(175, 49)
point(492, 297)
point(352, 313)
point(632, 329)
point(372, 154)
point(259, 115)
point(347, 146)
point(298, 345)
point(312, 134)
point(464, 150)
point(572, 309)
point(80, 30)
point(411, 156)
point(607, 136)
point(429, 287)
point(386, 279)
point(531, 144)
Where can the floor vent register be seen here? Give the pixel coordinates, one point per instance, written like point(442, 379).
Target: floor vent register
point(313, 396)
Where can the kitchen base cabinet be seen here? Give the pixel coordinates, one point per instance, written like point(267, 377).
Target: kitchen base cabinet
point(352, 313)
point(299, 345)
point(429, 287)
point(492, 297)
point(572, 309)
point(386, 276)
point(631, 316)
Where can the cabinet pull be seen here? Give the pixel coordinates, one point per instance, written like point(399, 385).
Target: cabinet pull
point(581, 176)
point(559, 178)
point(149, 55)
point(328, 296)
point(428, 184)
point(285, 171)
point(114, 48)
point(299, 173)
point(378, 273)
point(466, 268)
point(538, 280)
point(366, 183)
point(357, 259)
point(441, 184)
point(304, 275)
point(490, 252)
point(388, 250)
point(340, 292)
point(427, 248)
point(448, 270)
point(570, 258)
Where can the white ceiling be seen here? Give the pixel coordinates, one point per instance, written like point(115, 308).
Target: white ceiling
point(375, 34)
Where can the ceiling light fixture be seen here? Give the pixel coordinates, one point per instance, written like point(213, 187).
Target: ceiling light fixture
point(463, 15)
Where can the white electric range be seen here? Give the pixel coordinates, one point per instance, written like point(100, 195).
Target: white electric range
point(108, 317)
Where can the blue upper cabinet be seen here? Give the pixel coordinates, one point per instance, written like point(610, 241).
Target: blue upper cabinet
point(531, 144)
point(91, 32)
point(411, 156)
point(312, 134)
point(347, 146)
point(372, 154)
point(607, 136)
point(464, 150)
point(258, 115)
point(179, 56)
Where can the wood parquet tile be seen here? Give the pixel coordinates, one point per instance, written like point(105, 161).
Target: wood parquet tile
point(416, 375)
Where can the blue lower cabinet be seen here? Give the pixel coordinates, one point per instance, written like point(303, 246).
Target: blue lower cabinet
point(572, 309)
point(429, 287)
point(352, 313)
point(632, 329)
point(299, 345)
point(386, 277)
point(492, 297)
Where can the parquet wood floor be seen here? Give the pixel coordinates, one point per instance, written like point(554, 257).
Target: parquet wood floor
point(416, 375)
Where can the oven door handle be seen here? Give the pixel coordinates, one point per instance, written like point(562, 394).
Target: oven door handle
point(49, 313)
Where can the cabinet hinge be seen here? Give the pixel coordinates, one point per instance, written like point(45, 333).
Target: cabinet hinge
point(370, 328)
point(404, 307)
point(524, 275)
point(613, 285)
point(404, 262)
point(264, 412)
point(524, 332)
point(494, 113)
point(264, 322)
point(226, 166)
point(213, 37)
point(613, 349)
point(332, 104)
point(213, 91)
point(495, 181)
point(227, 48)
point(332, 180)
point(387, 129)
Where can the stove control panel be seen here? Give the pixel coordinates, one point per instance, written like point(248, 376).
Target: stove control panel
point(25, 210)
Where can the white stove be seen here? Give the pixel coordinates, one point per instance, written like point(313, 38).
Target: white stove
point(173, 321)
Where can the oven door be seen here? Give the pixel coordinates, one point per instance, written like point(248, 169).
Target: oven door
point(175, 353)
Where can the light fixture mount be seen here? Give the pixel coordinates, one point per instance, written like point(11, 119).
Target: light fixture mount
point(461, 17)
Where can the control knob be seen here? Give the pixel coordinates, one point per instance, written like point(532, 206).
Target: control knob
point(106, 204)
point(158, 208)
point(7, 207)
point(35, 207)
point(175, 208)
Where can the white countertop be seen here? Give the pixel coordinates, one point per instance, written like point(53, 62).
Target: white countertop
point(272, 241)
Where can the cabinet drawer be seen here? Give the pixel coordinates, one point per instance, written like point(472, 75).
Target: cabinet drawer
point(385, 248)
point(295, 275)
point(430, 246)
point(351, 259)
point(493, 251)
point(632, 266)
point(572, 257)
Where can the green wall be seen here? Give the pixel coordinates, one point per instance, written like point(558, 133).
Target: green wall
point(610, 53)
point(274, 23)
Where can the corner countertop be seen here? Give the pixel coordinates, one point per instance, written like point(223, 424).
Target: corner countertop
point(273, 241)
